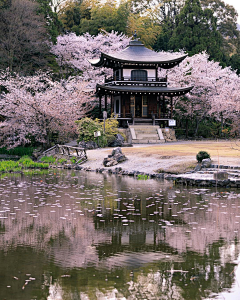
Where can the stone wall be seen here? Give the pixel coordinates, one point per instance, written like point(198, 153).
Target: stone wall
point(169, 134)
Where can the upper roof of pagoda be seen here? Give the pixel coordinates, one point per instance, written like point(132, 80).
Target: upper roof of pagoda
point(136, 54)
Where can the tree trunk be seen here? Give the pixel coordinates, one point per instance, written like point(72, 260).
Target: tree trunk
point(197, 125)
point(221, 133)
point(186, 128)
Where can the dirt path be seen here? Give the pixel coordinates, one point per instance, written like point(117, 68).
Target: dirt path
point(169, 156)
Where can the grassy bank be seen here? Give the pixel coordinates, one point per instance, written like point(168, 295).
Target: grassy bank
point(23, 163)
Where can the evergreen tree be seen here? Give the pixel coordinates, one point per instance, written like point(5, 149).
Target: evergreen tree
point(24, 42)
point(196, 31)
point(53, 25)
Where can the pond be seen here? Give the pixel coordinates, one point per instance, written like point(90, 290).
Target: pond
point(81, 235)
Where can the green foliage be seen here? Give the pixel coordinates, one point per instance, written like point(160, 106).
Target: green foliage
point(111, 128)
point(196, 31)
point(48, 159)
point(142, 177)
point(235, 63)
point(27, 163)
point(24, 162)
point(9, 166)
point(19, 151)
point(73, 160)
point(202, 155)
point(62, 160)
point(87, 127)
point(53, 25)
point(82, 16)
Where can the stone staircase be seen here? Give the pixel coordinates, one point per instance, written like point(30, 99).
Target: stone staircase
point(146, 134)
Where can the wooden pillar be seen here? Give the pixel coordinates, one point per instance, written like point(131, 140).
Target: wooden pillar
point(164, 105)
point(111, 104)
point(100, 106)
point(105, 104)
point(159, 107)
point(171, 107)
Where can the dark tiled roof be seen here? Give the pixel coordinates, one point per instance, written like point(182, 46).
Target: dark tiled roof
point(169, 91)
point(136, 53)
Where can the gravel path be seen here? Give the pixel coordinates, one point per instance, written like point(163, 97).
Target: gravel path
point(148, 163)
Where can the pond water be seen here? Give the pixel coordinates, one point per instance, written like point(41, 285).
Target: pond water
point(81, 235)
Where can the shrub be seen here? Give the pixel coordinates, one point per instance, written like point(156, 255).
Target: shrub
point(87, 127)
point(202, 155)
point(19, 151)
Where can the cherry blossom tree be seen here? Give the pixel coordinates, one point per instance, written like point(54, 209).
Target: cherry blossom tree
point(216, 91)
point(37, 106)
point(75, 51)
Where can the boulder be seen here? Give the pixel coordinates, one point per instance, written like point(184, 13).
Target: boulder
point(118, 141)
point(198, 168)
point(220, 175)
point(115, 158)
point(87, 145)
point(206, 163)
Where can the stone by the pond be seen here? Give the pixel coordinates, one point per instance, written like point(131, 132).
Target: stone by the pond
point(206, 163)
point(88, 145)
point(198, 168)
point(118, 141)
point(116, 157)
point(220, 175)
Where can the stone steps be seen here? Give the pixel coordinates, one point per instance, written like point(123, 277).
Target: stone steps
point(145, 134)
point(151, 136)
point(146, 141)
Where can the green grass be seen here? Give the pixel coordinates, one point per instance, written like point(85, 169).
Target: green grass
point(23, 163)
point(48, 159)
point(142, 177)
point(62, 160)
point(9, 166)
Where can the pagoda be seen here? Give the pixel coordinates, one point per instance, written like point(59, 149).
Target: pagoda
point(136, 92)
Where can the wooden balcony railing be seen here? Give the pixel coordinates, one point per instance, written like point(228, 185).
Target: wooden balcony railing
point(133, 79)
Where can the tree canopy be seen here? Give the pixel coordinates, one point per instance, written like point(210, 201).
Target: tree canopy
point(196, 31)
point(24, 41)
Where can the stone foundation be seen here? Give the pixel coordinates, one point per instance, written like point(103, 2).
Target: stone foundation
point(169, 134)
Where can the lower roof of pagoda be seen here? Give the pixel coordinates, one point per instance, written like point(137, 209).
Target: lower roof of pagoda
point(165, 90)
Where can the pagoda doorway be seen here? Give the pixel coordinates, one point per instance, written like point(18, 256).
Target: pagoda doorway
point(139, 106)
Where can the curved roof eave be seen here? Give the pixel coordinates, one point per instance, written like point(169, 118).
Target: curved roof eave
point(144, 89)
point(168, 61)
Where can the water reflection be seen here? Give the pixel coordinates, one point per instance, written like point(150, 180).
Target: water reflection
point(68, 235)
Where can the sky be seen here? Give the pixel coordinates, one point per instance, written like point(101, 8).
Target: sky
point(236, 5)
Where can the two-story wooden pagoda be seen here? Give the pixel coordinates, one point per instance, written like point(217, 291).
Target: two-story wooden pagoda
point(135, 88)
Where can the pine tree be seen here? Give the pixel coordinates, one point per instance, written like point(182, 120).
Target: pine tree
point(196, 31)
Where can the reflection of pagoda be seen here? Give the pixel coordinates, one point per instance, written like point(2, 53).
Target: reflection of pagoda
point(137, 93)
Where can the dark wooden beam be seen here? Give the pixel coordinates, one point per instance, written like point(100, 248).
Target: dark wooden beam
point(105, 103)
point(100, 106)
